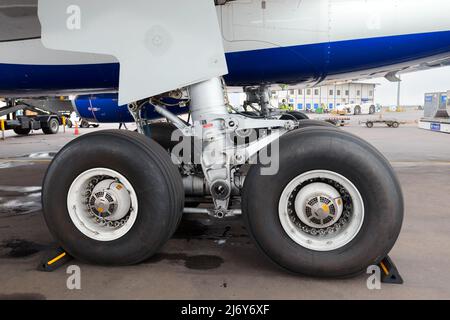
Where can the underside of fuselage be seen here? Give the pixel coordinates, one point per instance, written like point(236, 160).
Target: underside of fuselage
point(308, 64)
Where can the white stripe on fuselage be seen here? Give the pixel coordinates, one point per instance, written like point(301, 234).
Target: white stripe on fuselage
point(32, 52)
point(247, 26)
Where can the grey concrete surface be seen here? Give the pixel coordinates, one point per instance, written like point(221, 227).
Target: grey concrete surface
point(207, 260)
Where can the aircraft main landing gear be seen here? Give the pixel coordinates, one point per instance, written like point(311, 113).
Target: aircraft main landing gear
point(316, 200)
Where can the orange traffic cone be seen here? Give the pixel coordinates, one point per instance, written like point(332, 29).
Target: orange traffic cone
point(77, 131)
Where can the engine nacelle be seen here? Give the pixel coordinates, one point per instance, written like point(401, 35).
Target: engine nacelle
point(104, 108)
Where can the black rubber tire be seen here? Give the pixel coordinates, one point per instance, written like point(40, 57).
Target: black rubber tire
point(53, 127)
point(357, 110)
point(294, 114)
point(22, 132)
point(148, 168)
point(252, 114)
point(315, 123)
point(162, 132)
point(84, 124)
point(372, 110)
point(395, 124)
point(318, 148)
point(369, 124)
point(69, 124)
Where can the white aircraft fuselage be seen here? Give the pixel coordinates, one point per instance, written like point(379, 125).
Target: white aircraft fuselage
point(266, 42)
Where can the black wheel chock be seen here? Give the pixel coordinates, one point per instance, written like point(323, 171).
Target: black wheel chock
point(54, 259)
point(389, 272)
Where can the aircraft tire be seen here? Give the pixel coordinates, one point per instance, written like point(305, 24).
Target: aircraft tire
point(314, 162)
point(162, 132)
point(137, 173)
point(315, 123)
point(296, 114)
point(250, 114)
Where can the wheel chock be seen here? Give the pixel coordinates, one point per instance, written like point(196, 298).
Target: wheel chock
point(389, 272)
point(54, 259)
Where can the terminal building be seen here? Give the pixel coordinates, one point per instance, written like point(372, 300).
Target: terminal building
point(328, 97)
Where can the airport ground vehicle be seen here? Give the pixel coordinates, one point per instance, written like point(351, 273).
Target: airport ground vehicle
point(436, 112)
point(356, 109)
point(82, 122)
point(391, 123)
point(313, 208)
point(24, 124)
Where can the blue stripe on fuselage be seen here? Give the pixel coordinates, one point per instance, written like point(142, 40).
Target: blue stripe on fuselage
point(292, 64)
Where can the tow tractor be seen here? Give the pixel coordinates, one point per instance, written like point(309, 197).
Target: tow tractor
point(23, 124)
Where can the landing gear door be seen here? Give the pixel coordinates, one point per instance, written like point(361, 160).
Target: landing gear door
point(274, 23)
point(161, 45)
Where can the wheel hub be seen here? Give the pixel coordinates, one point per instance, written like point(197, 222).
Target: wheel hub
point(318, 205)
point(103, 204)
point(321, 210)
point(109, 200)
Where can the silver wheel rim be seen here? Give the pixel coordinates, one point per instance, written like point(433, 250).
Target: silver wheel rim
point(321, 210)
point(102, 204)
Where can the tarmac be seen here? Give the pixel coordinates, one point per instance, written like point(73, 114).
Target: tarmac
point(217, 259)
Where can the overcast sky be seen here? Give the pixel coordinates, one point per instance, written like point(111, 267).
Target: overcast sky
point(414, 86)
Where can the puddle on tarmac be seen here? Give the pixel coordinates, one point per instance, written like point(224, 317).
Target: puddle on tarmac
point(19, 248)
point(219, 231)
point(42, 155)
point(198, 262)
point(16, 200)
point(13, 164)
point(19, 189)
point(26, 160)
point(203, 262)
